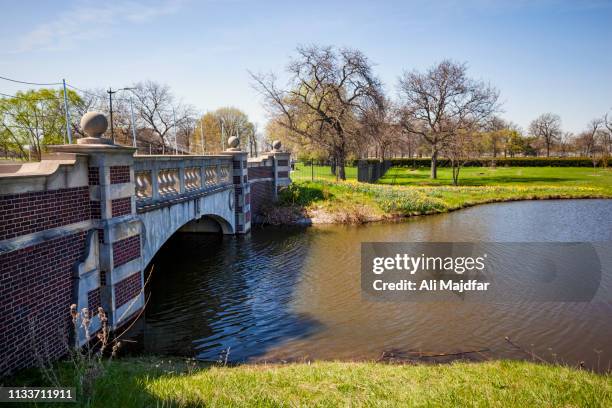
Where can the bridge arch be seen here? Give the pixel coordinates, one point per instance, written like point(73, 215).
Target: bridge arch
point(211, 213)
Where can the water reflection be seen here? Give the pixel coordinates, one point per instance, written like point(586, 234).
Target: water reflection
point(293, 293)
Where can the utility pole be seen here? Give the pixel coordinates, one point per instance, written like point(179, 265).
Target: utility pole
point(222, 135)
point(133, 122)
point(68, 130)
point(110, 106)
point(202, 133)
point(175, 136)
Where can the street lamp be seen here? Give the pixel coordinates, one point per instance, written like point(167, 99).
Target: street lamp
point(110, 105)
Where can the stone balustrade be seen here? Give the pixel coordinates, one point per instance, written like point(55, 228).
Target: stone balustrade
point(159, 179)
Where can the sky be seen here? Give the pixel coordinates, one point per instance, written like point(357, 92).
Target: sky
point(543, 56)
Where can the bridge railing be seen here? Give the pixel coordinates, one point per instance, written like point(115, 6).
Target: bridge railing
point(166, 178)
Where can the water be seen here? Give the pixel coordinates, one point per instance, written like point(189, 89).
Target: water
point(294, 293)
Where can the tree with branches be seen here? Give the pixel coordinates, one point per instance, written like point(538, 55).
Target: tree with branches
point(547, 128)
point(31, 120)
point(159, 112)
point(443, 101)
point(328, 90)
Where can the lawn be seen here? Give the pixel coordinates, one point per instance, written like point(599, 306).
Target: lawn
point(304, 171)
point(153, 381)
point(503, 176)
point(405, 192)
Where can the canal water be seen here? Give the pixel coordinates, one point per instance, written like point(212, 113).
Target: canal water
point(292, 294)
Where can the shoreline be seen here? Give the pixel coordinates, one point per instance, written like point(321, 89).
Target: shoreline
point(330, 218)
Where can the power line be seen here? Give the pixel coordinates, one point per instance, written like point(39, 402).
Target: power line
point(103, 97)
point(30, 83)
point(85, 92)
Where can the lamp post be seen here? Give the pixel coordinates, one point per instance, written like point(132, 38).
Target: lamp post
point(110, 106)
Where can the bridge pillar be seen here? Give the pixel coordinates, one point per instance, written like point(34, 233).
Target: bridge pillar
point(242, 189)
point(282, 166)
point(113, 212)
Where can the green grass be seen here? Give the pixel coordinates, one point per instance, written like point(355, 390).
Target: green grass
point(154, 382)
point(503, 176)
point(303, 172)
point(405, 192)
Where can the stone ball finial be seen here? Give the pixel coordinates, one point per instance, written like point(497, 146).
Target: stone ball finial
point(276, 145)
point(233, 142)
point(94, 124)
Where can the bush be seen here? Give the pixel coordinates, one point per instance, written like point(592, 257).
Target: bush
point(300, 194)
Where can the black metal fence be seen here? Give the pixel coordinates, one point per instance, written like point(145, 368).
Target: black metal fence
point(369, 171)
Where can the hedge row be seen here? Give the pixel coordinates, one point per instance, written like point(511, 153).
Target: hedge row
point(505, 162)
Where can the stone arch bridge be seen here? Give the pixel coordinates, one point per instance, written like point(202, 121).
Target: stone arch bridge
point(81, 226)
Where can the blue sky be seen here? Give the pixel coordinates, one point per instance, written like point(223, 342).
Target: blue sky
point(544, 56)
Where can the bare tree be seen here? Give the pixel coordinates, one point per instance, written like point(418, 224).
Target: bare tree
point(328, 90)
point(547, 127)
point(442, 102)
point(460, 149)
point(158, 111)
point(587, 139)
point(379, 127)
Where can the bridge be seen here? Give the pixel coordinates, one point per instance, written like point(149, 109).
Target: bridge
point(81, 227)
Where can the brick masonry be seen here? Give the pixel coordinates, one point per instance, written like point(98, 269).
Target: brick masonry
point(94, 176)
point(121, 206)
point(127, 289)
point(93, 301)
point(126, 250)
point(261, 196)
point(119, 174)
point(96, 210)
point(25, 213)
point(36, 285)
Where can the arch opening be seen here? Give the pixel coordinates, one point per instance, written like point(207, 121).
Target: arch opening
point(208, 223)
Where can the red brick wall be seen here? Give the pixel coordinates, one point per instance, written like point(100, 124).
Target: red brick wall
point(260, 172)
point(119, 174)
point(96, 210)
point(94, 176)
point(126, 250)
point(127, 289)
point(36, 283)
point(22, 214)
point(261, 195)
point(93, 301)
point(121, 206)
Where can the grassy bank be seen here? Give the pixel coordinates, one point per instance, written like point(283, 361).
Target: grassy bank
point(405, 192)
point(157, 382)
point(503, 176)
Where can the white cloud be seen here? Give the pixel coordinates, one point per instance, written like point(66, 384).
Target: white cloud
point(92, 21)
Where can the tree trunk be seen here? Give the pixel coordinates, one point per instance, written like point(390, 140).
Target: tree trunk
point(434, 162)
point(455, 174)
point(341, 172)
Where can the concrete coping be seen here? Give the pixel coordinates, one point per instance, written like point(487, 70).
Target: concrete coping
point(92, 148)
point(145, 157)
point(49, 165)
